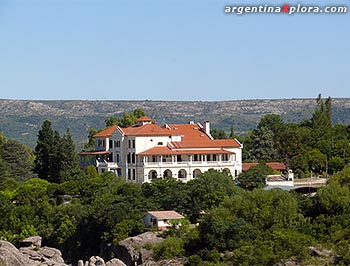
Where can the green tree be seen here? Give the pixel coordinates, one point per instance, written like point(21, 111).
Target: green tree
point(263, 145)
point(111, 121)
point(90, 145)
point(218, 133)
point(255, 177)
point(46, 163)
point(18, 159)
point(67, 156)
point(322, 125)
point(316, 161)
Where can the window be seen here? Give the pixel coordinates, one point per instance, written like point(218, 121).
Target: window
point(214, 157)
point(117, 144)
point(133, 174)
point(160, 143)
point(111, 144)
point(129, 143)
point(128, 157)
point(179, 159)
point(129, 174)
point(133, 158)
point(133, 143)
point(117, 158)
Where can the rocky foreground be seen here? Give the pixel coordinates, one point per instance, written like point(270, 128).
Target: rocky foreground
point(130, 251)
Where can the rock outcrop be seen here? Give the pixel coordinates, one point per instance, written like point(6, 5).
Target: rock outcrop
point(132, 251)
point(30, 254)
point(98, 261)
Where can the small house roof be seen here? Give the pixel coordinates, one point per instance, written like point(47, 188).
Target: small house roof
point(169, 215)
point(274, 165)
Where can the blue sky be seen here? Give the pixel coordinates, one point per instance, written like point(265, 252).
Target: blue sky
point(169, 50)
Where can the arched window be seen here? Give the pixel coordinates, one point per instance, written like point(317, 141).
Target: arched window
point(196, 173)
point(152, 174)
point(182, 174)
point(167, 173)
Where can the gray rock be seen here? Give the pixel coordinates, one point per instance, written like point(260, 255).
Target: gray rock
point(29, 256)
point(33, 241)
point(96, 261)
point(10, 255)
point(52, 253)
point(115, 262)
point(80, 263)
point(131, 250)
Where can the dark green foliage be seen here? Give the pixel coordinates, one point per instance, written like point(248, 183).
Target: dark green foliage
point(208, 191)
point(255, 177)
point(128, 119)
point(169, 248)
point(18, 159)
point(54, 155)
point(218, 133)
point(46, 154)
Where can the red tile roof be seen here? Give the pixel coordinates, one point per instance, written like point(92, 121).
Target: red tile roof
point(168, 215)
point(106, 132)
point(274, 165)
point(163, 150)
point(146, 130)
point(144, 119)
point(194, 137)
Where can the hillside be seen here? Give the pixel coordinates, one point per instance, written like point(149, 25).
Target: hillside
point(22, 119)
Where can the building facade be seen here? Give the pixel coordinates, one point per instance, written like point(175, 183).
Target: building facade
point(146, 151)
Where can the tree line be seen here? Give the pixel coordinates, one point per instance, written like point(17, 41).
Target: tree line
point(316, 146)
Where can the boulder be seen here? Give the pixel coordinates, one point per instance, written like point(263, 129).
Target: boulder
point(10, 255)
point(31, 255)
point(132, 250)
point(115, 262)
point(33, 241)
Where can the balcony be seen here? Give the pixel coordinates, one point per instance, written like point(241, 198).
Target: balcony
point(190, 163)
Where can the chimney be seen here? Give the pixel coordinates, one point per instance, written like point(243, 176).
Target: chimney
point(207, 127)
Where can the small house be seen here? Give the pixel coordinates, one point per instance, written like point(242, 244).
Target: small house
point(160, 219)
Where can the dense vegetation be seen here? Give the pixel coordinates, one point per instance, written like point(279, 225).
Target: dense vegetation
point(84, 213)
point(313, 146)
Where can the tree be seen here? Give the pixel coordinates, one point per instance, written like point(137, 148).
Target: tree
point(46, 163)
point(90, 145)
point(232, 133)
point(111, 121)
point(254, 177)
point(322, 125)
point(55, 156)
point(19, 160)
point(127, 120)
point(67, 156)
point(218, 133)
point(263, 145)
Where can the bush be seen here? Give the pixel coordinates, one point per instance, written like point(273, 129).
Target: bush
point(169, 248)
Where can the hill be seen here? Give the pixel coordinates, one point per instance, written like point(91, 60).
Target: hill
point(21, 119)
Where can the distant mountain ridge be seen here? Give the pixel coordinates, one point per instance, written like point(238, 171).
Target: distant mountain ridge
point(21, 119)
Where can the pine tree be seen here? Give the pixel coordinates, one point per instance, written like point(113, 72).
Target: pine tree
point(67, 155)
point(46, 156)
point(322, 125)
point(19, 160)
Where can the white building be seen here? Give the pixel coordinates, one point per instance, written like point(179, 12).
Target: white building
point(146, 151)
point(161, 219)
